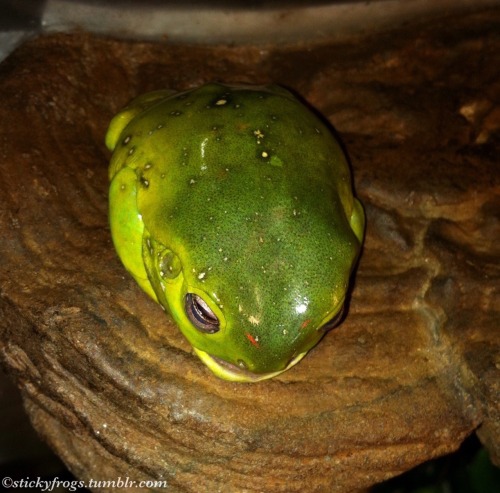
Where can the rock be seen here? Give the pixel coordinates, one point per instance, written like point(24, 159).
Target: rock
point(108, 380)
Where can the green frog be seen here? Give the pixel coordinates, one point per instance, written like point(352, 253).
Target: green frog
point(232, 207)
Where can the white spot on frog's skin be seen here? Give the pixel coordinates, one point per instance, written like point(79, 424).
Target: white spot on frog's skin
point(259, 135)
point(201, 275)
point(126, 140)
point(221, 102)
point(192, 181)
point(131, 151)
point(254, 321)
point(265, 154)
point(285, 332)
point(160, 125)
point(148, 166)
point(202, 148)
point(240, 308)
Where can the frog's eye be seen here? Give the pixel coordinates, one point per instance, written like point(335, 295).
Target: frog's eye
point(200, 314)
point(333, 322)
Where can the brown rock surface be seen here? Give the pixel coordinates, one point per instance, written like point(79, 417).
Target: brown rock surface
point(109, 381)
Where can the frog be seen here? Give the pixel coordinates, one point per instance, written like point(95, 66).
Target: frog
point(232, 206)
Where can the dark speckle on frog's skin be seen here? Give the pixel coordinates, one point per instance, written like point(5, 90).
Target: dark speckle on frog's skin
point(232, 207)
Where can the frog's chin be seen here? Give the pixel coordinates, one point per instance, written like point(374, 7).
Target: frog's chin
point(233, 373)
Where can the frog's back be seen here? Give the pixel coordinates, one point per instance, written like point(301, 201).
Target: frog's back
point(231, 147)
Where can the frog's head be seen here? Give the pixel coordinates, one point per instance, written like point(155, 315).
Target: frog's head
point(255, 300)
point(250, 229)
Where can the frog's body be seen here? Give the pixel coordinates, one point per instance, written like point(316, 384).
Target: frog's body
point(232, 207)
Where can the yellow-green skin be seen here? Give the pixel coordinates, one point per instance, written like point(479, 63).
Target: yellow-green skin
point(241, 195)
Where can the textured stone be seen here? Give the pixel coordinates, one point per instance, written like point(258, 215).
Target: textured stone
point(106, 377)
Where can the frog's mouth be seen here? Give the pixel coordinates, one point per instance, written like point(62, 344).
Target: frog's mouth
point(233, 373)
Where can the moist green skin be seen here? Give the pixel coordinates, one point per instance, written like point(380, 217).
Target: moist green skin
point(243, 196)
